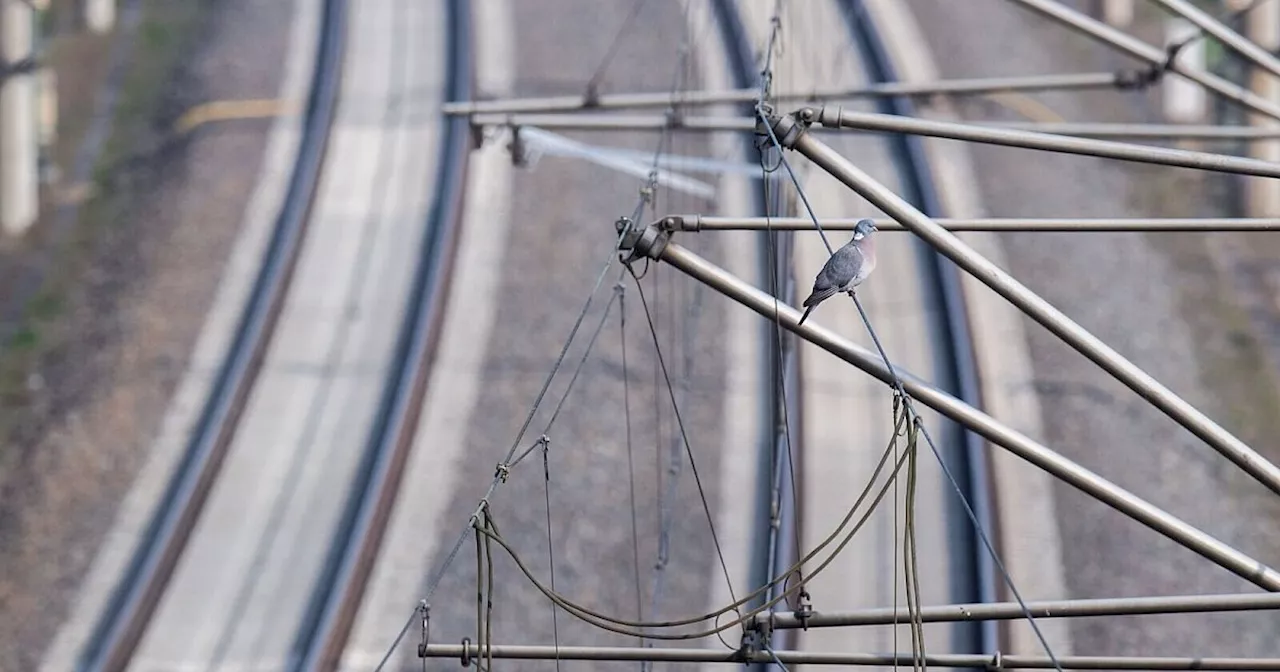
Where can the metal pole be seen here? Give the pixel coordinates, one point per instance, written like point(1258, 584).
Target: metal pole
point(652, 242)
point(658, 122)
point(1005, 611)
point(1153, 56)
point(956, 87)
point(1231, 38)
point(472, 651)
point(19, 189)
point(1037, 308)
point(1145, 131)
point(1043, 141)
point(706, 223)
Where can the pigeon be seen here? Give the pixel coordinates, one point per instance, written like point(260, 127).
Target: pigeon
point(846, 269)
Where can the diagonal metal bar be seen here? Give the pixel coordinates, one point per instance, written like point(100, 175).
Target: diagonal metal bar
point(1153, 56)
point(707, 223)
point(654, 243)
point(1245, 47)
point(468, 652)
point(891, 123)
point(662, 99)
point(1004, 611)
point(1030, 303)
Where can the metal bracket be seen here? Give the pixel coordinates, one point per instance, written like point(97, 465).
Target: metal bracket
point(638, 244)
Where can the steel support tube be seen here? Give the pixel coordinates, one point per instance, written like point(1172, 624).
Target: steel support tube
point(659, 122)
point(1216, 28)
point(994, 431)
point(955, 87)
point(1145, 131)
point(471, 652)
point(1007, 611)
point(891, 123)
point(617, 122)
point(1149, 54)
point(704, 223)
point(1040, 310)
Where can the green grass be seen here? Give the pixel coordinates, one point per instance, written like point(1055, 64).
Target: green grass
point(166, 29)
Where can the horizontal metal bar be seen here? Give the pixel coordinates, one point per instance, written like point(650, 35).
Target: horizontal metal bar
point(1035, 307)
point(840, 118)
point(706, 223)
point(1005, 611)
point(616, 122)
point(1146, 131)
point(1151, 55)
point(653, 245)
point(660, 122)
point(955, 87)
point(718, 655)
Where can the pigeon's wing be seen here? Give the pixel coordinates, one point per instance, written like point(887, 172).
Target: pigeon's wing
point(841, 268)
point(836, 274)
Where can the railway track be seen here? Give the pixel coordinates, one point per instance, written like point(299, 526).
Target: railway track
point(125, 618)
point(974, 578)
point(335, 596)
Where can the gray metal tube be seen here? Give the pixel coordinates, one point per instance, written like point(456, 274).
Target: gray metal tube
point(994, 431)
point(586, 121)
point(1145, 131)
point(1006, 611)
point(1229, 37)
point(704, 223)
point(1148, 53)
point(1044, 141)
point(1042, 311)
point(608, 101)
point(719, 655)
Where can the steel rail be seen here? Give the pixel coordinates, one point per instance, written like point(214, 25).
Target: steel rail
point(336, 597)
point(973, 570)
point(134, 599)
point(695, 223)
point(953, 87)
point(1156, 58)
point(1032, 304)
point(1004, 611)
point(472, 652)
point(868, 121)
point(654, 243)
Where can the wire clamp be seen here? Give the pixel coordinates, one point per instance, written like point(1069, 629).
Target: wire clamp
point(426, 628)
point(804, 610)
point(502, 472)
point(466, 652)
point(997, 662)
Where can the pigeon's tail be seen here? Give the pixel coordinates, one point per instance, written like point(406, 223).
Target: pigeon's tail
point(805, 316)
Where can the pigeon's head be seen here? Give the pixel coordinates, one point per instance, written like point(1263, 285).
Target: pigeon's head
point(863, 229)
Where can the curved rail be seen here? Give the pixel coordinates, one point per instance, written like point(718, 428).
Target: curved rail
point(973, 573)
point(134, 600)
point(336, 598)
point(973, 577)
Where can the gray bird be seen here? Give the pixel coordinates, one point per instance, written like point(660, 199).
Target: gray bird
point(846, 268)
